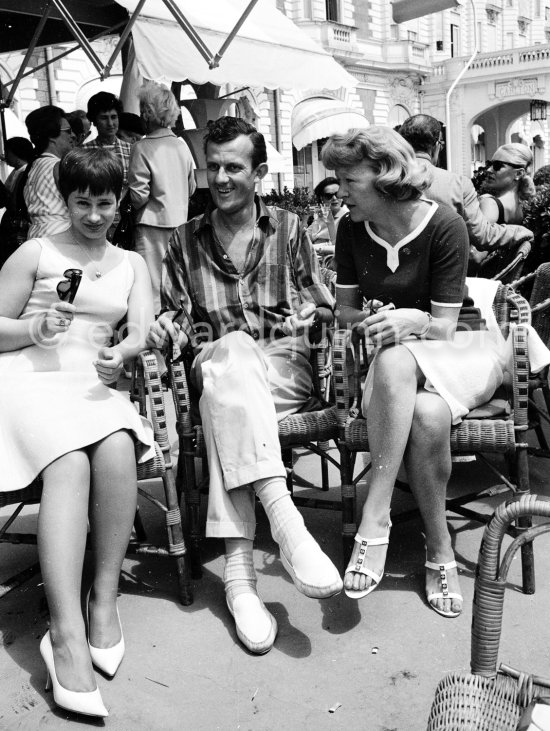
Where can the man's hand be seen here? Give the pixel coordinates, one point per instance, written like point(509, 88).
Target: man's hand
point(108, 365)
point(163, 330)
point(302, 319)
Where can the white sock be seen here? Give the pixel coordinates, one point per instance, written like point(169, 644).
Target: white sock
point(239, 576)
point(287, 525)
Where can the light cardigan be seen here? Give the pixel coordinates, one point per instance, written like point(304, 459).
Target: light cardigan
point(161, 179)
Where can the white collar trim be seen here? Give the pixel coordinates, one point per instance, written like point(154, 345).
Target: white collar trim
point(392, 252)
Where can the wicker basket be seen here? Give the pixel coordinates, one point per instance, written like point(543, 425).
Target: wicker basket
point(487, 699)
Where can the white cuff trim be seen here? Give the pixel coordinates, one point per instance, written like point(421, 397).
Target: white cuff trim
point(446, 304)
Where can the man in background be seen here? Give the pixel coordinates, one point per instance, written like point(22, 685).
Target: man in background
point(424, 134)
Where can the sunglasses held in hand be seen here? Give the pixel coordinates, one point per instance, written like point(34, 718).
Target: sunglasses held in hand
point(67, 288)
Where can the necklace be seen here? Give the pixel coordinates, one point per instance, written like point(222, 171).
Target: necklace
point(97, 272)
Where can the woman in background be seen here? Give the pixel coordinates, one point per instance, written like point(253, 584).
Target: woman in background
point(160, 179)
point(52, 137)
point(507, 185)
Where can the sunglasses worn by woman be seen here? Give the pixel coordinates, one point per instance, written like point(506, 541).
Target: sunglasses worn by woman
point(507, 184)
point(499, 164)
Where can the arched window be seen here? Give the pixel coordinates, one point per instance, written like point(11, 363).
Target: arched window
point(397, 115)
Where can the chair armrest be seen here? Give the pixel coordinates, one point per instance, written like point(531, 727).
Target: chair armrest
point(520, 255)
point(148, 379)
point(520, 312)
point(181, 392)
point(347, 390)
point(321, 361)
point(520, 376)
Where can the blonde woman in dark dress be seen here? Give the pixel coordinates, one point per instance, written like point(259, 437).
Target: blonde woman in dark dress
point(408, 256)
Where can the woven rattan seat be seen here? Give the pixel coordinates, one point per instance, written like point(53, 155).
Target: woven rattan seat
point(491, 698)
point(310, 426)
point(503, 434)
point(146, 390)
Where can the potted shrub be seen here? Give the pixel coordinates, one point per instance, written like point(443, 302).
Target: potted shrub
point(537, 218)
point(297, 200)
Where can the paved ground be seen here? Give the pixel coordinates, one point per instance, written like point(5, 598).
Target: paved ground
point(371, 665)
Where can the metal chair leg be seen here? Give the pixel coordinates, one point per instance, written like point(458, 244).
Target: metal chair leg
point(349, 501)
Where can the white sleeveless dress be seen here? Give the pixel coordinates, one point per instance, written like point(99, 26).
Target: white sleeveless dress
point(51, 399)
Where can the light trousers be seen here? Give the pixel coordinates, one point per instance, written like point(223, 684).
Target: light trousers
point(246, 389)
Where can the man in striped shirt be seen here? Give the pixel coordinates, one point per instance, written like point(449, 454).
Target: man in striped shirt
point(249, 280)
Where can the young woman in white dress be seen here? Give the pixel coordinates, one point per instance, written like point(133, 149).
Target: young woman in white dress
point(62, 422)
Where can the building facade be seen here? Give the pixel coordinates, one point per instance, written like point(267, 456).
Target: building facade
point(400, 70)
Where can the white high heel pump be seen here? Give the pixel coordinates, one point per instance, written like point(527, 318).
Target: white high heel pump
point(88, 703)
point(106, 659)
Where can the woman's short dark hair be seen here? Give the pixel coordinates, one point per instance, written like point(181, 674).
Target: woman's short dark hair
point(43, 125)
point(227, 129)
point(103, 101)
point(399, 174)
point(320, 187)
point(97, 170)
point(77, 125)
point(131, 123)
point(21, 147)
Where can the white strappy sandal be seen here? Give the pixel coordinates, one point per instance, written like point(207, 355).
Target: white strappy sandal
point(358, 566)
point(444, 593)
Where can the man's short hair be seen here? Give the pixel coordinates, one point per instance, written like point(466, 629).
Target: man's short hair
point(320, 187)
point(421, 132)
point(227, 129)
point(103, 101)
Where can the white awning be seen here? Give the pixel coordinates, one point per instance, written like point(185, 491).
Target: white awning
point(316, 118)
point(269, 50)
point(14, 127)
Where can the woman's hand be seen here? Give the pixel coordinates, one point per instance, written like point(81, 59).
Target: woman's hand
point(389, 326)
point(57, 319)
point(164, 329)
point(108, 365)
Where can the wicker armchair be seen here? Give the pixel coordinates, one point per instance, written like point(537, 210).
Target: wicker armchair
point(311, 429)
point(478, 434)
point(537, 286)
point(147, 387)
point(491, 698)
point(507, 264)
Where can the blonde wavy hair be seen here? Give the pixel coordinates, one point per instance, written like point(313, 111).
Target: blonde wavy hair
point(400, 175)
point(519, 154)
point(158, 105)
